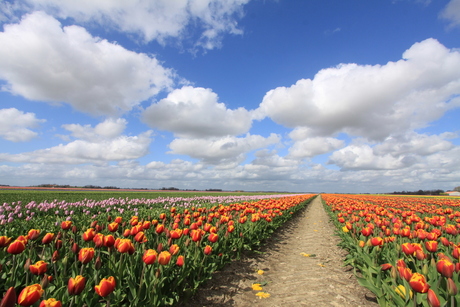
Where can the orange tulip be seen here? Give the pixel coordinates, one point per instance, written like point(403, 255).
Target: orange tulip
point(176, 233)
point(86, 254)
point(150, 256)
point(160, 228)
point(76, 285)
point(48, 238)
point(113, 227)
point(30, 295)
point(377, 241)
point(38, 268)
point(105, 287)
point(386, 266)
point(164, 257)
point(408, 248)
point(195, 234)
point(17, 247)
point(174, 249)
point(124, 246)
point(431, 246)
point(98, 239)
point(118, 219)
point(51, 302)
point(445, 267)
point(141, 237)
point(418, 283)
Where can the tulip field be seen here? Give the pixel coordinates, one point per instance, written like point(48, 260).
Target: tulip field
point(406, 250)
point(123, 251)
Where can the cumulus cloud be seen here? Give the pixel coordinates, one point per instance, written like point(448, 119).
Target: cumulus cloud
point(15, 125)
point(451, 13)
point(97, 145)
point(226, 150)
point(306, 147)
point(154, 20)
point(194, 112)
point(371, 101)
point(413, 143)
point(41, 60)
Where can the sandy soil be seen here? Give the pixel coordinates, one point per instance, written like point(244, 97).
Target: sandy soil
point(300, 265)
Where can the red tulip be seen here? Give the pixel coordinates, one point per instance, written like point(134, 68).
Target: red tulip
point(48, 238)
point(174, 249)
point(86, 254)
point(33, 234)
point(164, 257)
point(386, 266)
point(109, 241)
point(160, 228)
point(445, 267)
point(195, 234)
point(17, 247)
point(433, 300)
point(418, 283)
point(213, 237)
point(124, 246)
point(30, 295)
point(4, 241)
point(180, 261)
point(65, 225)
point(9, 299)
point(408, 248)
point(113, 227)
point(140, 237)
point(76, 285)
point(176, 233)
point(118, 219)
point(377, 241)
point(89, 234)
point(150, 256)
point(38, 268)
point(105, 287)
point(207, 250)
point(51, 302)
point(431, 246)
point(98, 239)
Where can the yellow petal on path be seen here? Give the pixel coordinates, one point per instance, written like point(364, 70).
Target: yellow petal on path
point(256, 287)
point(260, 272)
point(315, 230)
point(321, 265)
point(262, 295)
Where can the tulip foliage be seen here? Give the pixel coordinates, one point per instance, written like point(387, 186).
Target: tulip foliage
point(406, 250)
point(133, 253)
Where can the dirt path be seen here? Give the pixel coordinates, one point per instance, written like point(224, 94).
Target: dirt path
point(301, 264)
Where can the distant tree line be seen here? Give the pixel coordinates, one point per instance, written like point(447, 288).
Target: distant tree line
point(420, 192)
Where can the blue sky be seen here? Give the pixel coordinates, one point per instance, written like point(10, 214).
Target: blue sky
point(286, 95)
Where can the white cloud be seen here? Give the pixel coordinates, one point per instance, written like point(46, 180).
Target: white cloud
point(15, 125)
point(96, 145)
point(413, 143)
point(371, 101)
point(196, 113)
point(40, 60)
point(225, 150)
point(305, 146)
point(154, 20)
point(452, 13)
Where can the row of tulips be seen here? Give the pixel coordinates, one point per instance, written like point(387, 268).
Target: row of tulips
point(404, 249)
point(156, 259)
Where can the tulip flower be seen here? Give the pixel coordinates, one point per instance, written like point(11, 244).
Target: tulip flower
point(113, 227)
point(176, 233)
point(9, 299)
point(431, 246)
point(418, 283)
point(105, 287)
point(180, 261)
point(51, 302)
point(124, 246)
point(48, 238)
point(89, 234)
point(17, 247)
point(65, 225)
point(386, 266)
point(408, 248)
point(33, 234)
point(109, 241)
point(118, 219)
point(377, 241)
point(445, 267)
point(4, 241)
point(76, 285)
point(174, 249)
point(140, 237)
point(160, 228)
point(150, 256)
point(195, 234)
point(38, 268)
point(164, 257)
point(433, 300)
point(30, 295)
point(213, 237)
point(98, 239)
point(86, 254)
point(207, 250)
point(451, 287)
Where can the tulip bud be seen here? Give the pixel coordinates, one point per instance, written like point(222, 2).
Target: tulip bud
point(451, 287)
point(55, 256)
point(9, 299)
point(109, 218)
point(425, 269)
point(74, 229)
point(45, 281)
point(98, 263)
point(27, 264)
